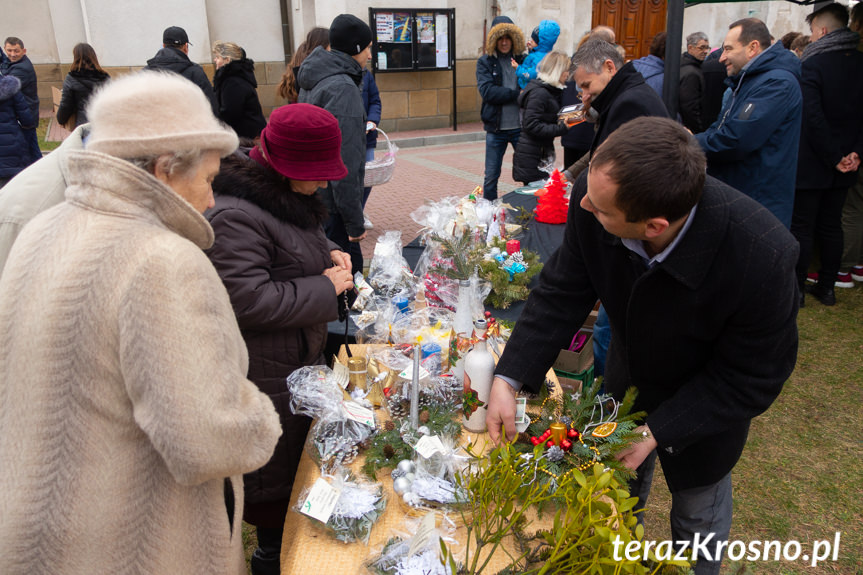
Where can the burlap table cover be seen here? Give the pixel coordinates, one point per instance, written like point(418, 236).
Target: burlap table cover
point(308, 548)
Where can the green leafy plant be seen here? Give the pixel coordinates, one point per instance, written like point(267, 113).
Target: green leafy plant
point(594, 511)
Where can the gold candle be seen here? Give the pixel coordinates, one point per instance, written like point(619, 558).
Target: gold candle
point(558, 432)
point(357, 372)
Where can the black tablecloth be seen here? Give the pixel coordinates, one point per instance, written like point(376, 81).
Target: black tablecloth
point(543, 239)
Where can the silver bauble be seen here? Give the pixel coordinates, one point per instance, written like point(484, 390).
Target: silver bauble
point(402, 485)
point(406, 466)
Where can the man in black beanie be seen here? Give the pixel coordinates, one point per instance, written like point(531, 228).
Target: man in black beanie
point(331, 80)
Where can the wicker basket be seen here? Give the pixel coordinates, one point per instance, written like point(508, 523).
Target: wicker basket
point(380, 170)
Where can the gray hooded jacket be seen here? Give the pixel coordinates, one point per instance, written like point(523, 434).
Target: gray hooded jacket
point(331, 80)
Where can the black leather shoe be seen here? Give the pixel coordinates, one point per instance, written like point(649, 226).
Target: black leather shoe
point(822, 293)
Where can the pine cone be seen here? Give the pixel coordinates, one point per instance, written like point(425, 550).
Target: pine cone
point(424, 416)
point(389, 425)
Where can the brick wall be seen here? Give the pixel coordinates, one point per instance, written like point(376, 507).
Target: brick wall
point(410, 100)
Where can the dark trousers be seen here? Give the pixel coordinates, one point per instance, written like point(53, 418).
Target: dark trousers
point(572, 155)
point(335, 230)
point(818, 216)
point(495, 148)
point(701, 511)
point(266, 559)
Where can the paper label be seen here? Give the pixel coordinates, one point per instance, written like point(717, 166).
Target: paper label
point(408, 373)
point(522, 421)
point(428, 445)
point(321, 501)
point(424, 534)
point(341, 373)
point(357, 412)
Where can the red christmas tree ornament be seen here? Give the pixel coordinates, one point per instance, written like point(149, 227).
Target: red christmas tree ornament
point(565, 444)
point(549, 443)
point(551, 207)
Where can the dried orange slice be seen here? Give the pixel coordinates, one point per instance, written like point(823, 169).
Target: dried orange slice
point(605, 429)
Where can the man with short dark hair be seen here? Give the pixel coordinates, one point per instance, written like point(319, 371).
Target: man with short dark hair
point(691, 271)
point(831, 144)
point(17, 63)
point(752, 146)
point(691, 86)
point(174, 56)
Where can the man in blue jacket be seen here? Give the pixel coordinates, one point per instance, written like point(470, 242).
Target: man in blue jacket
point(16, 63)
point(753, 144)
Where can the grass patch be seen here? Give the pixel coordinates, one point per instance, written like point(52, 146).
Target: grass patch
point(41, 130)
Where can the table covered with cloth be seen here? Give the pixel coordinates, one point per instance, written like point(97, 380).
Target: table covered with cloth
point(308, 548)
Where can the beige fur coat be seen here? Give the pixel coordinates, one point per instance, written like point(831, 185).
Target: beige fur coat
point(123, 398)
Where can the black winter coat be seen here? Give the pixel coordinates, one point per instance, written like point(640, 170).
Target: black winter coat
point(24, 71)
point(235, 87)
point(77, 89)
point(691, 93)
point(708, 336)
point(714, 74)
point(626, 97)
point(539, 103)
point(177, 61)
point(270, 251)
point(331, 80)
point(14, 117)
point(832, 86)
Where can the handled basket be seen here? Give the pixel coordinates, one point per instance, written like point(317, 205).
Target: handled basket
point(380, 170)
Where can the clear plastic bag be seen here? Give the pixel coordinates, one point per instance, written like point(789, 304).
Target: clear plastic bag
point(359, 506)
point(389, 272)
point(338, 431)
point(395, 557)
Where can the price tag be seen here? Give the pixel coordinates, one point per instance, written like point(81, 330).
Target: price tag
point(341, 373)
point(357, 412)
point(428, 445)
point(321, 501)
point(522, 421)
point(424, 534)
point(408, 373)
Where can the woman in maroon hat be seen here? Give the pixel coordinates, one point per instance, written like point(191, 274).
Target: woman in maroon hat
point(283, 276)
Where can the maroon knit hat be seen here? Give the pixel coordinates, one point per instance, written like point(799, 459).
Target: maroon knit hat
point(303, 142)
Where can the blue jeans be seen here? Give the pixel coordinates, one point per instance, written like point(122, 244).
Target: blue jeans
point(601, 339)
point(700, 510)
point(370, 155)
point(495, 148)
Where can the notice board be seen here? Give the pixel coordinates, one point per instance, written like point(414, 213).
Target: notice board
point(408, 39)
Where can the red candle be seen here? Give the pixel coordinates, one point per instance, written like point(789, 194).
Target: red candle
point(513, 246)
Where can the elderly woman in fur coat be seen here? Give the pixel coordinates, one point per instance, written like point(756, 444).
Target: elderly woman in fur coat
point(126, 419)
point(283, 276)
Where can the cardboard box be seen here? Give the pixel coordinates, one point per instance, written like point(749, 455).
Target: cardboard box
point(576, 362)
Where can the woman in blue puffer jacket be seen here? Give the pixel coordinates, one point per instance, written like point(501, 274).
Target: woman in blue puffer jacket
point(547, 32)
point(15, 117)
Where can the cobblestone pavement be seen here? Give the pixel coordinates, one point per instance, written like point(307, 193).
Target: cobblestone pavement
point(427, 173)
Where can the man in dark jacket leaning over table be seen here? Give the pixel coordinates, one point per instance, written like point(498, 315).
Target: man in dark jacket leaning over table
point(752, 146)
point(698, 282)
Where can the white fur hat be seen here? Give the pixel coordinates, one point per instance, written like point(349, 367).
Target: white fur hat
point(152, 113)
